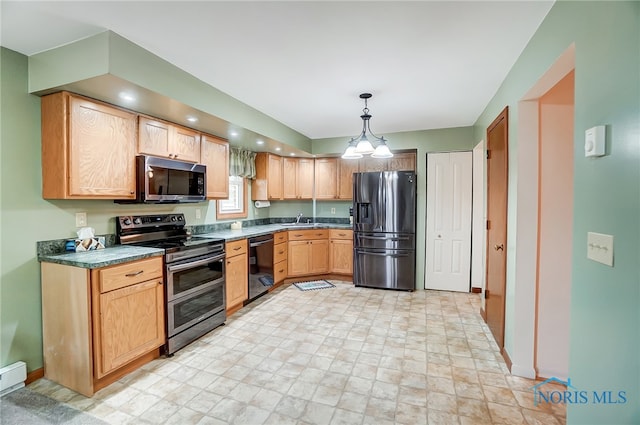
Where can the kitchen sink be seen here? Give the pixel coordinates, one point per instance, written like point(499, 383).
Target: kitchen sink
point(300, 224)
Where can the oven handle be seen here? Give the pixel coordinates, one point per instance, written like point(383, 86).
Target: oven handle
point(191, 264)
point(254, 244)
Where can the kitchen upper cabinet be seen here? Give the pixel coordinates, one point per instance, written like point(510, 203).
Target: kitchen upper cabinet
point(214, 153)
point(369, 164)
point(346, 168)
point(88, 149)
point(268, 182)
point(403, 161)
point(297, 178)
point(160, 138)
point(326, 176)
point(112, 321)
point(237, 275)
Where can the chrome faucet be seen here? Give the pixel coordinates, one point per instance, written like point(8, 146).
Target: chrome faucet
point(298, 218)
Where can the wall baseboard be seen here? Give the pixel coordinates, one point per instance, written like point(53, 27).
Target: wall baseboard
point(34, 375)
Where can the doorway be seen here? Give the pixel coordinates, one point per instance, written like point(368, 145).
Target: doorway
point(448, 234)
point(555, 224)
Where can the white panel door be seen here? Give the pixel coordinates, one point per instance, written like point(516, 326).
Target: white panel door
point(448, 253)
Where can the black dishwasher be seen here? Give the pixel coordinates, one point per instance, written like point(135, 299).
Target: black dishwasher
point(260, 266)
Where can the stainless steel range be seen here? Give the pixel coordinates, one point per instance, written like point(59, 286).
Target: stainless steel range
point(194, 274)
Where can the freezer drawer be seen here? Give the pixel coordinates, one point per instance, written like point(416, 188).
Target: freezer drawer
point(385, 240)
point(379, 268)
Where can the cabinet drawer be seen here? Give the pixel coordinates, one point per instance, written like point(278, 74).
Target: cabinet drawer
point(279, 237)
point(279, 252)
point(236, 247)
point(340, 234)
point(280, 271)
point(306, 235)
point(123, 275)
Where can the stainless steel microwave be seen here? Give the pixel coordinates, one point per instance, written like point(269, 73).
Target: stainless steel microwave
point(161, 180)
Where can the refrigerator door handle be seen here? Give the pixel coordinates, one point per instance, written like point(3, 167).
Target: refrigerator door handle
point(385, 238)
point(382, 254)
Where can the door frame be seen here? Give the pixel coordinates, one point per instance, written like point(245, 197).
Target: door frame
point(521, 310)
point(471, 228)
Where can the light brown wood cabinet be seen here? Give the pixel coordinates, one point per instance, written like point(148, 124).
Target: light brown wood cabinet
point(341, 251)
point(346, 168)
point(237, 275)
point(164, 139)
point(268, 182)
point(280, 251)
point(100, 324)
point(403, 161)
point(334, 178)
point(88, 149)
point(326, 177)
point(297, 178)
point(308, 252)
point(214, 153)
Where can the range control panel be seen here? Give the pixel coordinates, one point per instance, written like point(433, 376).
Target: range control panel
point(144, 221)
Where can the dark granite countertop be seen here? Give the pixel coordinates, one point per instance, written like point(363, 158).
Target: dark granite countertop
point(117, 254)
point(103, 257)
point(251, 231)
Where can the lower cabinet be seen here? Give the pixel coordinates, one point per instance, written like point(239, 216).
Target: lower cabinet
point(99, 324)
point(237, 275)
point(280, 251)
point(308, 252)
point(341, 251)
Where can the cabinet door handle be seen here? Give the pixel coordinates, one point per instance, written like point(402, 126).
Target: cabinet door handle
point(238, 248)
point(281, 271)
point(134, 274)
point(342, 234)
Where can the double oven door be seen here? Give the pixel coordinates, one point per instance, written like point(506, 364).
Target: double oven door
point(195, 298)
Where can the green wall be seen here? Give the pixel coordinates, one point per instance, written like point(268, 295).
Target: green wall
point(605, 301)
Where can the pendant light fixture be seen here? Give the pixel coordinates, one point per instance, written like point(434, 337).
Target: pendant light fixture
point(361, 145)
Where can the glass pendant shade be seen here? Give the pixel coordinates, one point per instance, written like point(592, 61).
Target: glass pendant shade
point(382, 151)
point(350, 152)
point(364, 146)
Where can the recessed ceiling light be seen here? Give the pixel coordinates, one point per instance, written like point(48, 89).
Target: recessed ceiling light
point(127, 96)
point(278, 149)
point(260, 142)
point(192, 119)
point(233, 133)
point(292, 154)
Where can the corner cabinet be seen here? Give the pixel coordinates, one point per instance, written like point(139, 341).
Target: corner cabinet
point(214, 153)
point(308, 252)
point(268, 182)
point(160, 138)
point(100, 324)
point(88, 149)
point(298, 175)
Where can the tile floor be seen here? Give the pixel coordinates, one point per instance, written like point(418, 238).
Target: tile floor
point(342, 355)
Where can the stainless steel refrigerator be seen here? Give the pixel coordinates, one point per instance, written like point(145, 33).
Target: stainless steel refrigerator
point(384, 224)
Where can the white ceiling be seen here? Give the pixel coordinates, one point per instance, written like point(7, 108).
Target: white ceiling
point(428, 64)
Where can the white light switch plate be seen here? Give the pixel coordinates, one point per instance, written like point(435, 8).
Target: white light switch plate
point(81, 219)
point(600, 248)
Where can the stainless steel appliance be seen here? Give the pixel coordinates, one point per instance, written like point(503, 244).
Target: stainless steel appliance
point(384, 214)
point(194, 274)
point(166, 181)
point(260, 266)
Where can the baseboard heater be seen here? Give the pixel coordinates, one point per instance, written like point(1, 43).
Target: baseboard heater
point(12, 377)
